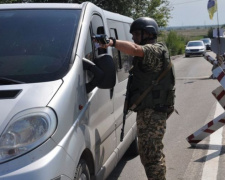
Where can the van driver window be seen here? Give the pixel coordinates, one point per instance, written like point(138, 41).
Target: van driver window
point(98, 28)
point(89, 47)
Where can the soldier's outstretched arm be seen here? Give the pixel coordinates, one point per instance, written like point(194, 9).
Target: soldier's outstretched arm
point(126, 47)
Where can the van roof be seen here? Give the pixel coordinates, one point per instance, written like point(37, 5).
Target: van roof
point(108, 14)
point(116, 16)
point(42, 6)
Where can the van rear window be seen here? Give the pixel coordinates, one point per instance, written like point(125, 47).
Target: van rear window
point(36, 45)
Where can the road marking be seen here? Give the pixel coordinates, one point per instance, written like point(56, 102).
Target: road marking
point(193, 78)
point(210, 168)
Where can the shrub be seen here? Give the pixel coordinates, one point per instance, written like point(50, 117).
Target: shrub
point(175, 43)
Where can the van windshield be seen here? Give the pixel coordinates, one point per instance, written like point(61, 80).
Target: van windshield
point(36, 45)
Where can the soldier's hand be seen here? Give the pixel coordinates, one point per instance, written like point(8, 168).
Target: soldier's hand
point(102, 40)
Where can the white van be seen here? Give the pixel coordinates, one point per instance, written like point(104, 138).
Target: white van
point(61, 97)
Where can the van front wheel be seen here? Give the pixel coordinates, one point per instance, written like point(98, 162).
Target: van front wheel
point(82, 171)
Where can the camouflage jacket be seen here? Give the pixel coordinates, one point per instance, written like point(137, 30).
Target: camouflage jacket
point(145, 71)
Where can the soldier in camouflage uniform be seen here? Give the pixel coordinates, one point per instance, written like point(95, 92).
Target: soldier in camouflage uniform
point(150, 60)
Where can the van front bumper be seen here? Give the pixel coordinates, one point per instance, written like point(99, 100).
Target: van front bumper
point(55, 165)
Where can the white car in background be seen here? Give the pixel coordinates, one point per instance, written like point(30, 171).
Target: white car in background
point(207, 42)
point(195, 48)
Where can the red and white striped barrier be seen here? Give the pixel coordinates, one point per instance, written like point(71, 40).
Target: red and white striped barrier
point(219, 94)
point(210, 59)
point(206, 130)
point(219, 73)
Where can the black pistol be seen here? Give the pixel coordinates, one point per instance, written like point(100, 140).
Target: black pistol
point(101, 38)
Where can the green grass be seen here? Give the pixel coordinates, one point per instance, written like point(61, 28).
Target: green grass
point(176, 40)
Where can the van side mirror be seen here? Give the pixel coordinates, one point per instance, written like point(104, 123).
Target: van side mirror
point(104, 72)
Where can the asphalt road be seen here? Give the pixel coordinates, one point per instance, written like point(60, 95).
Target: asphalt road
point(196, 106)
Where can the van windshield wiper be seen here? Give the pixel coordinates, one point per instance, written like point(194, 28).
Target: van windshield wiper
point(7, 81)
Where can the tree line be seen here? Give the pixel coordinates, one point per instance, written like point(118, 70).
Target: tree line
point(160, 10)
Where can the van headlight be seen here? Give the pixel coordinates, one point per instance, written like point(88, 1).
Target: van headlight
point(25, 131)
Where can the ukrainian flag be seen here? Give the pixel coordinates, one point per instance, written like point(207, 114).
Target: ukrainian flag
point(212, 8)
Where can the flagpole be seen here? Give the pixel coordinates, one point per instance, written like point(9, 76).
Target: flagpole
point(217, 15)
point(218, 24)
point(218, 35)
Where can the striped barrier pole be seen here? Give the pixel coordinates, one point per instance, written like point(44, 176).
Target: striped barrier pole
point(219, 94)
point(210, 59)
point(219, 73)
point(206, 130)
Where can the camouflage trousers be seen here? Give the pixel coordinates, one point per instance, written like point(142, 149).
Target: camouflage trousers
point(151, 127)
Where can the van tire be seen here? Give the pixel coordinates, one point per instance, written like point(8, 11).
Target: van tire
point(133, 149)
point(82, 171)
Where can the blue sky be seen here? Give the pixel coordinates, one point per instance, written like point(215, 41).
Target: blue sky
point(194, 13)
